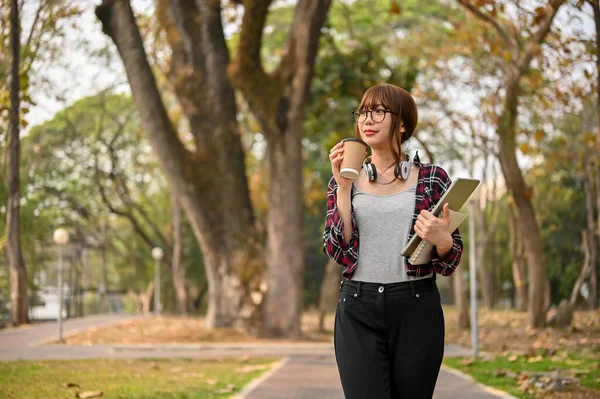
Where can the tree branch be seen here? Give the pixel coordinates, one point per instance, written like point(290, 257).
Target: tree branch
point(491, 20)
point(253, 23)
point(119, 23)
point(533, 44)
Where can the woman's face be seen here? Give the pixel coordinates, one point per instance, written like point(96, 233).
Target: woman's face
point(375, 129)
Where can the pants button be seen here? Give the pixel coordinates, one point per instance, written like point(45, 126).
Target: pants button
point(417, 295)
point(380, 289)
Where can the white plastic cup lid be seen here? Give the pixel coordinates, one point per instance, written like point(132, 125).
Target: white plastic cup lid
point(349, 173)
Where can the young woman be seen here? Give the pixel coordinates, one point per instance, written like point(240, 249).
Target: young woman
point(389, 325)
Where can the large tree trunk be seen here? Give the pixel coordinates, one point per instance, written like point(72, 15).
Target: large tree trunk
point(285, 259)
point(529, 233)
point(278, 102)
point(176, 264)
point(210, 183)
point(19, 296)
point(521, 194)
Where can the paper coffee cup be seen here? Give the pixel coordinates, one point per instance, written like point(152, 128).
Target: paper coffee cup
point(355, 151)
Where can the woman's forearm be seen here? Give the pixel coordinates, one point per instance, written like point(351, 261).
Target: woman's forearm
point(345, 210)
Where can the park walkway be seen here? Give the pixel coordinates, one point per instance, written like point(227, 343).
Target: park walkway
point(305, 370)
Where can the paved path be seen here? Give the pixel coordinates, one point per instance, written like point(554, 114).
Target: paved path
point(307, 371)
point(316, 377)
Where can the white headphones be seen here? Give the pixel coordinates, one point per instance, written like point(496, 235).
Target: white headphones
point(401, 170)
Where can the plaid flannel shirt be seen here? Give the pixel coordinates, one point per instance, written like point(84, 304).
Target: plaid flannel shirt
point(432, 182)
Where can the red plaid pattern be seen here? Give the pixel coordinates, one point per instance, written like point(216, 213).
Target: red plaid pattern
point(433, 181)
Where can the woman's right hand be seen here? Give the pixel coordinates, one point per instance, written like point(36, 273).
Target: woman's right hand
point(336, 154)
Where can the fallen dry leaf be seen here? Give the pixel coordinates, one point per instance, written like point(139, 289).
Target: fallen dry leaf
point(512, 358)
point(89, 394)
point(245, 358)
point(69, 385)
point(229, 389)
point(468, 361)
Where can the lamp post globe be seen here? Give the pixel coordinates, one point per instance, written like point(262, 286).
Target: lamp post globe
point(157, 254)
point(60, 236)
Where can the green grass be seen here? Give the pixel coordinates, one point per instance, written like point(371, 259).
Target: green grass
point(485, 371)
point(124, 378)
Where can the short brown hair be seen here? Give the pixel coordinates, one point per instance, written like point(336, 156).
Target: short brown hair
point(395, 99)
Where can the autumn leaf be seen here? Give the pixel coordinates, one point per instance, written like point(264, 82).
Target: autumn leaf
point(525, 148)
point(395, 8)
point(89, 394)
point(535, 359)
point(468, 361)
point(69, 385)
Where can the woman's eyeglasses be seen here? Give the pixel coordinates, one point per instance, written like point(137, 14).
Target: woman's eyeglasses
point(377, 115)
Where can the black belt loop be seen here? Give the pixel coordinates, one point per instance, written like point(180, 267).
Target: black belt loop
point(412, 288)
point(341, 285)
point(358, 289)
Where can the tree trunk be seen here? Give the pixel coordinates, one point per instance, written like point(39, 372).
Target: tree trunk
point(519, 263)
point(526, 221)
point(146, 298)
point(486, 272)
point(585, 269)
point(564, 312)
point(176, 265)
point(330, 290)
point(285, 260)
point(594, 276)
point(19, 296)
point(591, 242)
point(210, 183)
point(278, 102)
point(461, 301)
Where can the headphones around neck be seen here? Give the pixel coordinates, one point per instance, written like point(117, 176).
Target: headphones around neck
point(401, 170)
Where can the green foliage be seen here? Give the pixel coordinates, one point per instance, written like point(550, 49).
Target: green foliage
point(97, 142)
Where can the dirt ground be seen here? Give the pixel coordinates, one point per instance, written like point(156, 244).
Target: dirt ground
point(503, 331)
point(185, 330)
point(500, 332)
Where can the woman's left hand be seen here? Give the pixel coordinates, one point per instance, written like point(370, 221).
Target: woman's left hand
point(435, 230)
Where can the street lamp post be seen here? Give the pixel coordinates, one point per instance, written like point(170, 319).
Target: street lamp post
point(157, 254)
point(61, 237)
point(473, 283)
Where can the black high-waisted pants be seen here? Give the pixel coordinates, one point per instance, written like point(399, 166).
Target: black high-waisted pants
point(389, 339)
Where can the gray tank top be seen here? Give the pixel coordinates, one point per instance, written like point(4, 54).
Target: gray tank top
point(383, 224)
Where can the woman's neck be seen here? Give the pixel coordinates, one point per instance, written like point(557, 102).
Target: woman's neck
point(382, 159)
